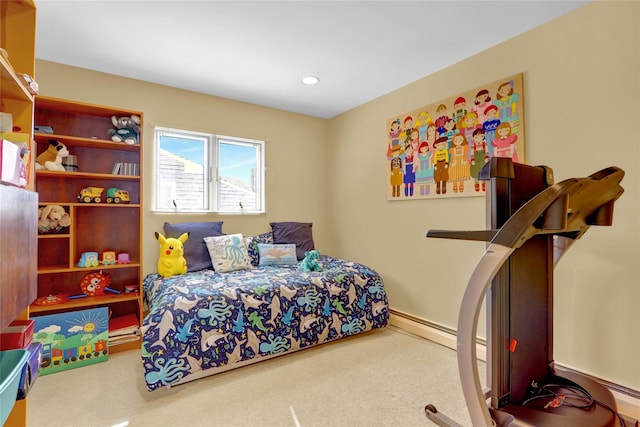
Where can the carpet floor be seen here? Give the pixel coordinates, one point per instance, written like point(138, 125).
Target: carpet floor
point(382, 378)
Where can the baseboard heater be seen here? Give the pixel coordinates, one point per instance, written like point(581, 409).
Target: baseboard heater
point(628, 399)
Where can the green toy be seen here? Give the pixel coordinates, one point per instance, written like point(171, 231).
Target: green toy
point(310, 262)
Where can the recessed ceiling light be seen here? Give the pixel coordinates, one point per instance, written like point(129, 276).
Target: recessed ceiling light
point(310, 80)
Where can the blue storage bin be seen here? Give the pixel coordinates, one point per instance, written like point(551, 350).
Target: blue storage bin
point(11, 364)
point(30, 370)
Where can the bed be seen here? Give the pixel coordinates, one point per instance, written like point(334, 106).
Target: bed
point(205, 322)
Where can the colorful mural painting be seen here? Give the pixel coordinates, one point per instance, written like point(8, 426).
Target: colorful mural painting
point(438, 150)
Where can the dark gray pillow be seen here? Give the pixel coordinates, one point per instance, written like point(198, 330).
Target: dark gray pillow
point(195, 249)
point(298, 233)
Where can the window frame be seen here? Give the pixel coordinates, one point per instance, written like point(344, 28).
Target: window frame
point(211, 171)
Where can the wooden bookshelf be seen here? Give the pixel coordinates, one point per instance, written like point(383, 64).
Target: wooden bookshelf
point(95, 227)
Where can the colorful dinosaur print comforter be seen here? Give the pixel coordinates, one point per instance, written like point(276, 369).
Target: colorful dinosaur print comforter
point(204, 322)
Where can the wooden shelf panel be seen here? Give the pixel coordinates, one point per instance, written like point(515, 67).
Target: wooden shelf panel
point(77, 303)
point(125, 346)
point(54, 236)
point(11, 86)
point(78, 141)
point(84, 175)
point(66, 269)
point(75, 107)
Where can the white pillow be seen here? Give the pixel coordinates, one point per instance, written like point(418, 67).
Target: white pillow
point(228, 253)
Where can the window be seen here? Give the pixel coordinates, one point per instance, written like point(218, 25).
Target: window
point(201, 172)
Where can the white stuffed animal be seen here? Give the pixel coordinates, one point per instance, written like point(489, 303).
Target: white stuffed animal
point(51, 158)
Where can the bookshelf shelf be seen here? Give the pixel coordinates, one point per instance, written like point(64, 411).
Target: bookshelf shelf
point(76, 141)
point(78, 303)
point(86, 175)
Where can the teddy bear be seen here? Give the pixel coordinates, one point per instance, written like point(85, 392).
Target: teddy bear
point(171, 261)
point(52, 218)
point(126, 129)
point(51, 158)
point(310, 262)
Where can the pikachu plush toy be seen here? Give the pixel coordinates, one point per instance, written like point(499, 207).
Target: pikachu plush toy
point(171, 261)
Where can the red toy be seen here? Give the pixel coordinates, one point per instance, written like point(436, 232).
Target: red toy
point(94, 284)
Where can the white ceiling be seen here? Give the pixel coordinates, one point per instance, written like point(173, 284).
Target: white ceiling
point(258, 51)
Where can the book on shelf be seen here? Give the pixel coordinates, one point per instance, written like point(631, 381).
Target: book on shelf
point(127, 169)
point(124, 325)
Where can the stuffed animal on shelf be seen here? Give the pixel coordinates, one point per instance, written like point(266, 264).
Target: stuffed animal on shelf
point(171, 261)
point(51, 158)
point(310, 262)
point(52, 218)
point(126, 129)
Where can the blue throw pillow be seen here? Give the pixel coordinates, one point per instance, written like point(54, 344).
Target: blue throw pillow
point(274, 254)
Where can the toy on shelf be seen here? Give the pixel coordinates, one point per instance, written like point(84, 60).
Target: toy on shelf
point(88, 259)
point(51, 158)
point(126, 129)
point(108, 258)
point(90, 194)
point(52, 218)
point(116, 195)
point(123, 258)
point(128, 289)
point(51, 299)
point(96, 284)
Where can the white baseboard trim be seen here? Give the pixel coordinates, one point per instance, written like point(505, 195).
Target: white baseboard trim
point(432, 333)
point(627, 405)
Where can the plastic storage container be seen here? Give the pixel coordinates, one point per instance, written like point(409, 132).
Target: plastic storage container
point(11, 364)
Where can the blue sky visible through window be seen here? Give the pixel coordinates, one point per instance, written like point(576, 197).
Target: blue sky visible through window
point(236, 160)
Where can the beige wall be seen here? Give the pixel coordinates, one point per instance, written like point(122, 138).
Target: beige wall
point(295, 146)
point(581, 109)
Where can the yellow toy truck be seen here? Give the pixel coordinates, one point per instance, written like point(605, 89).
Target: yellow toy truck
point(90, 194)
point(116, 195)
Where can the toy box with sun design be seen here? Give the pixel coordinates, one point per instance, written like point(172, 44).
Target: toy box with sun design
point(73, 339)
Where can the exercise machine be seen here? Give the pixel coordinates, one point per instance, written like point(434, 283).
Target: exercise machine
point(531, 223)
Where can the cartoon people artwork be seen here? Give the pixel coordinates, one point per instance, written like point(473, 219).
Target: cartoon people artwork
point(415, 143)
point(407, 127)
point(394, 137)
point(449, 130)
point(469, 124)
point(504, 142)
point(441, 111)
point(480, 104)
point(459, 166)
point(506, 101)
point(438, 150)
point(490, 125)
point(396, 171)
point(441, 165)
point(459, 110)
point(479, 156)
point(432, 135)
point(423, 123)
point(409, 171)
point(424, 170)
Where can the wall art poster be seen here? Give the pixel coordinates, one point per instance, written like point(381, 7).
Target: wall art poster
point(438, 150)
point(72, 339)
